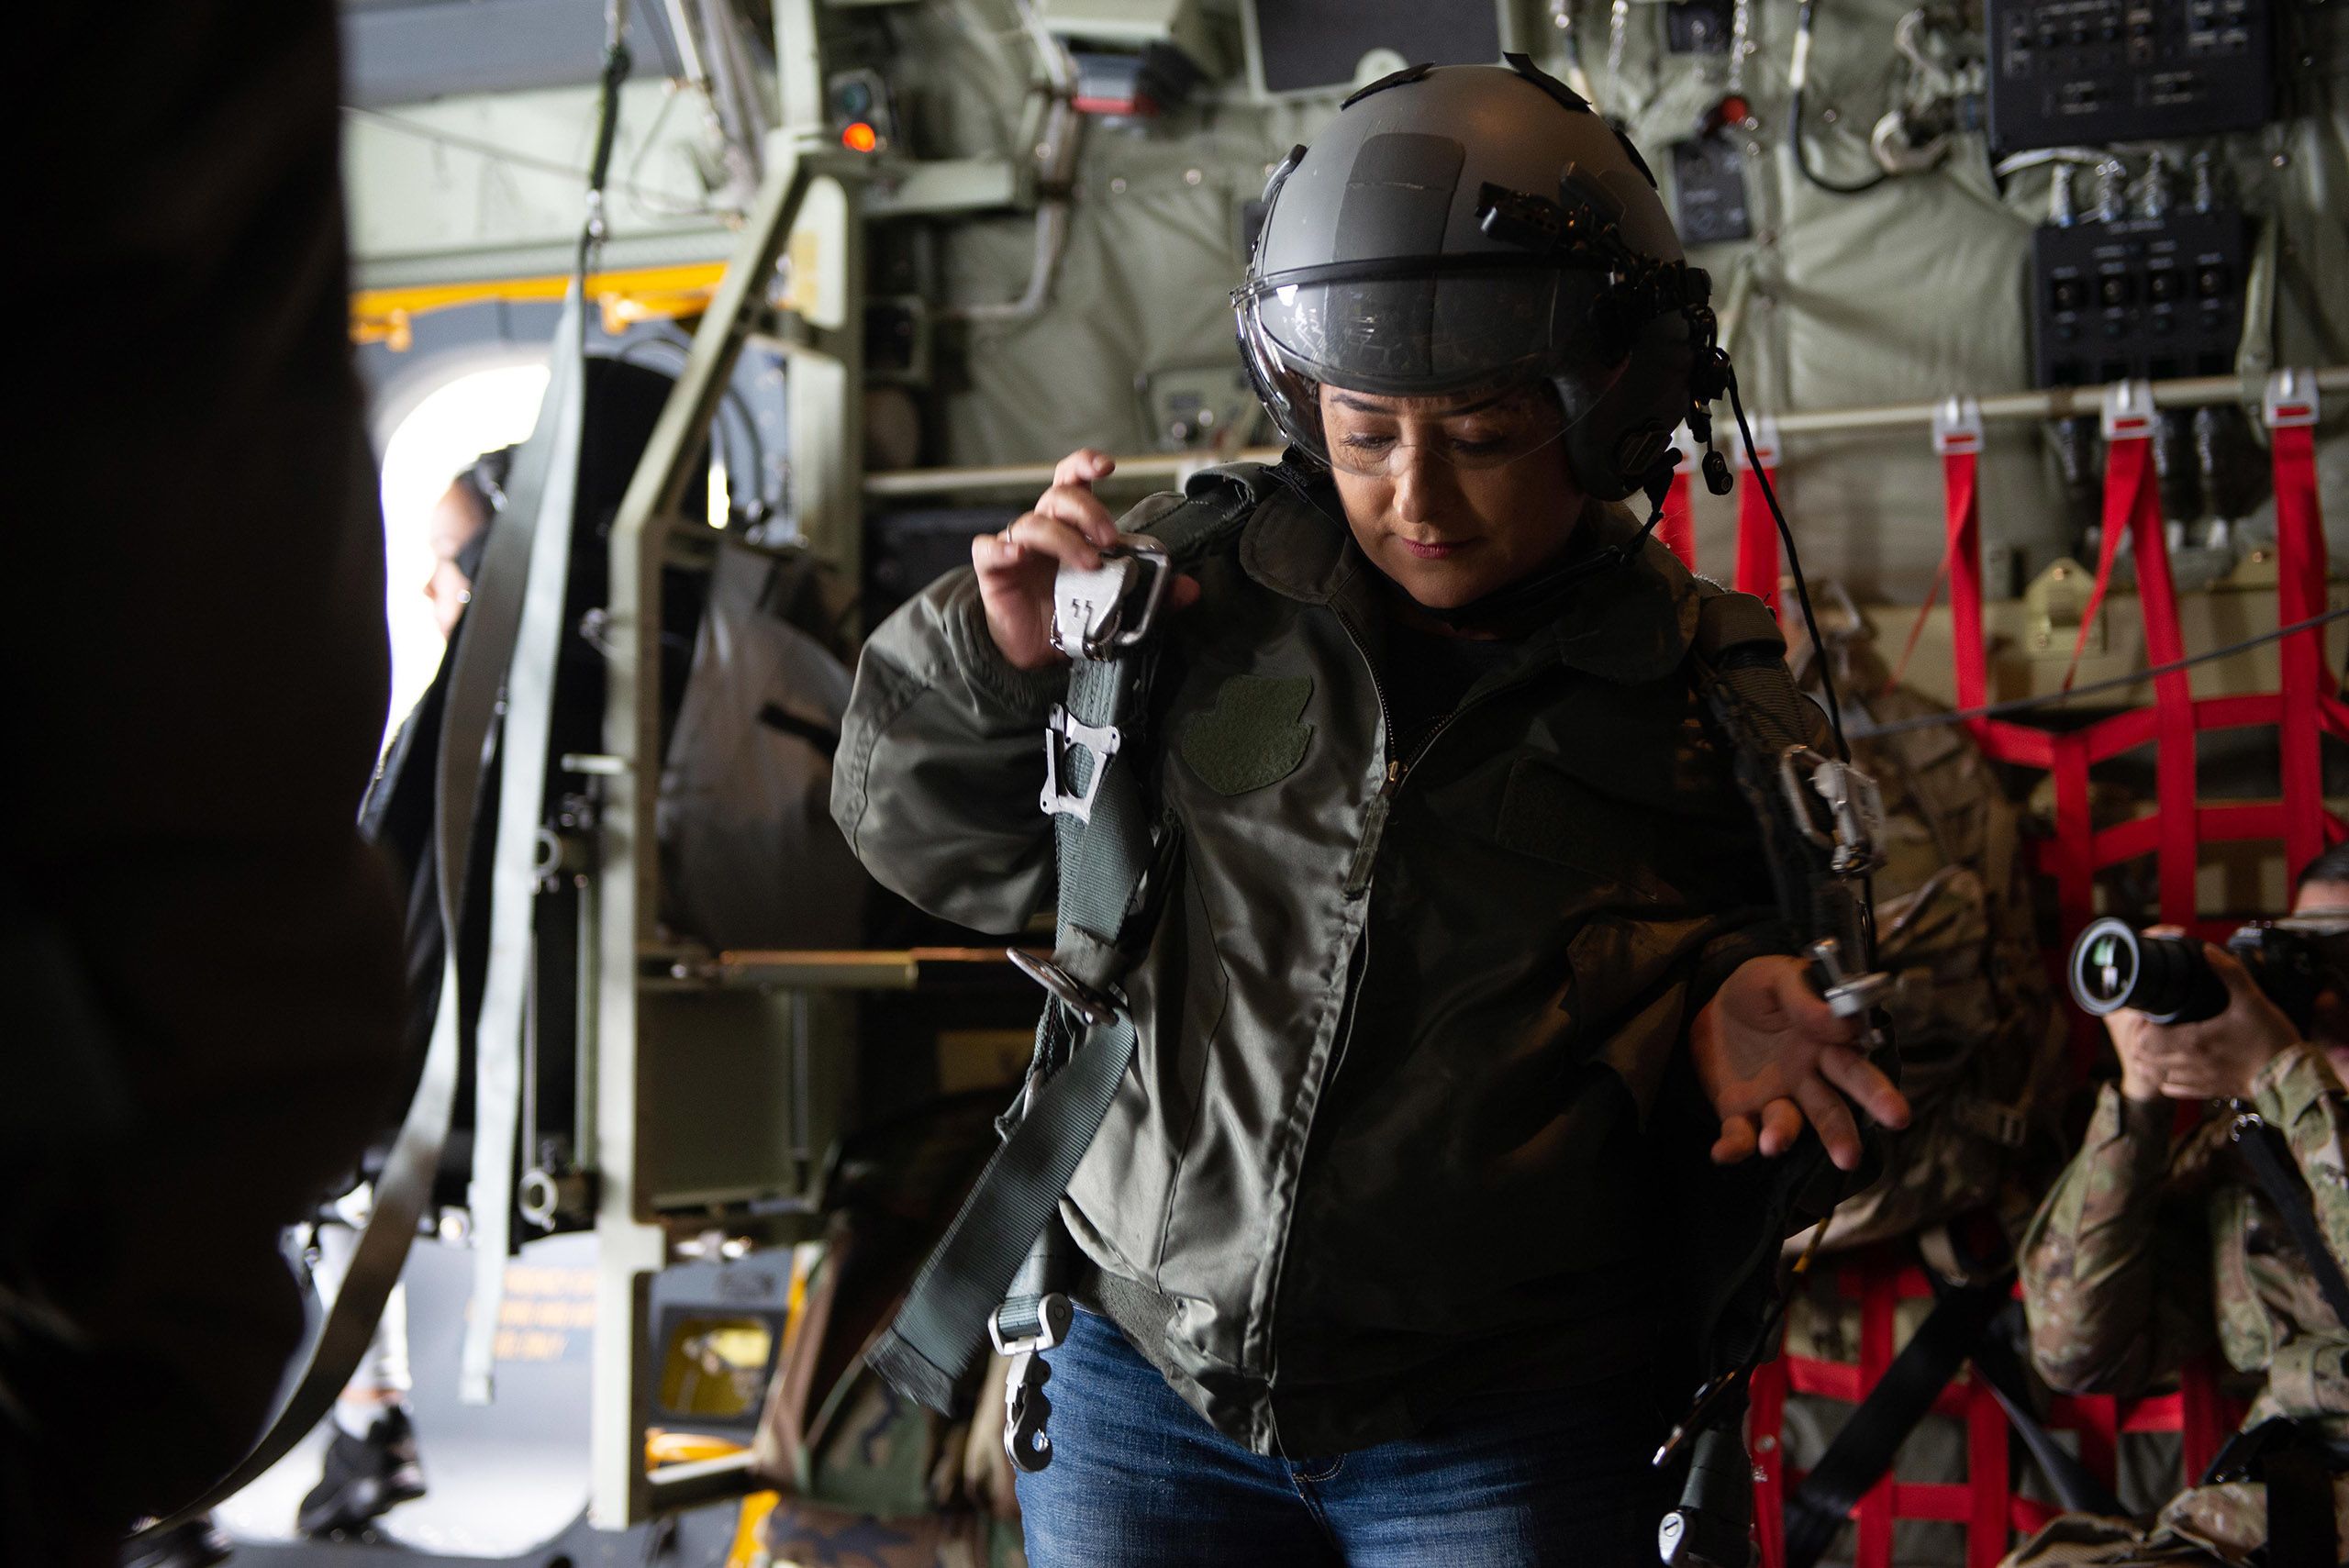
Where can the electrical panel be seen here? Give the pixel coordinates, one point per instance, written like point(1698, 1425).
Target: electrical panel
point(2147, 298)
point(1709, 192)
point(2068, 71)
point(1317, 46)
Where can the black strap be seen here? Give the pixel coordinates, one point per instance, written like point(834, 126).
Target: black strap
point(2271, 1161)
point(940, 1332)
point(1968, 1322)
point(1863, 1450)
point(2302, 1530)
point(1997, 1365)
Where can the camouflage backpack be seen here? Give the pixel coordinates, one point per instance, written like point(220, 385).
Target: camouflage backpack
point(867, 1478)
point(1983, 1045)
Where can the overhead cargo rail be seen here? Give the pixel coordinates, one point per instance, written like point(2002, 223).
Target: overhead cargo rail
point(1169, 468)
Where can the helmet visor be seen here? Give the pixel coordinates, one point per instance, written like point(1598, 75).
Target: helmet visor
point(1428, 334)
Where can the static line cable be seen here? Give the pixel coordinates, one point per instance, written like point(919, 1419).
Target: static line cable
point(2117, 682)
point(618, 63)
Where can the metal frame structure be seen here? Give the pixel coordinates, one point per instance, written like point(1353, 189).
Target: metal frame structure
point(634, 1038)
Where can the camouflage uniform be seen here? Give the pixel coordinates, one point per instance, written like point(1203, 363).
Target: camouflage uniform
point(2140, 1247)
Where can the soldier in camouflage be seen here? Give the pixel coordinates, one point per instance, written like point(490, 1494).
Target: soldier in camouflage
point(2147, 1244)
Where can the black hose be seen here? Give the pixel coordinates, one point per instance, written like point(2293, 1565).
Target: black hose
point(1794, 570)
point(1793, 118)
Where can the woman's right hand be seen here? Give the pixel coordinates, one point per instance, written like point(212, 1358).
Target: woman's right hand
point(1017, 567)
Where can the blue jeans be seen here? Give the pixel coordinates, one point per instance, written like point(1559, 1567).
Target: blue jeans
point(1140, 1480)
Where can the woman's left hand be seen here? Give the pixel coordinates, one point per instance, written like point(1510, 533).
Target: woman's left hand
point(1771, 1055)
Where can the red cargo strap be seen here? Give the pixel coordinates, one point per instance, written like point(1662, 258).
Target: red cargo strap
point(2132, 499)
point(1957, 437)
point(1678, 529)
point(1757, 532)
point(2292, 409)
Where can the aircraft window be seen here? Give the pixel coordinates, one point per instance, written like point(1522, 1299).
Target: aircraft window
point(473, 413)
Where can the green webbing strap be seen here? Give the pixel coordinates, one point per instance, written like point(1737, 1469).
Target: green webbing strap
point(1102, 861)
point(940, 1332)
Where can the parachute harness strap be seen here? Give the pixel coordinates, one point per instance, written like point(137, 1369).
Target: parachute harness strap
point(992, 1281)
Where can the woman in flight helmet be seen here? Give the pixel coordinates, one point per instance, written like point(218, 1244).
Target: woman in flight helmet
point(1461, 954)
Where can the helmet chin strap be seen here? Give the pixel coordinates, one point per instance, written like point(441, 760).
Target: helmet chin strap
point(1515, 601)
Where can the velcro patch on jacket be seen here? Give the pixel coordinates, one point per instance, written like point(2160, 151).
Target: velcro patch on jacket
point(1545, 813)
point(1253, 735)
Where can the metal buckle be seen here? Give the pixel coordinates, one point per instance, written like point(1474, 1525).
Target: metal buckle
point(1065, 988)
point(1053, 1319)
point(2290, 399)
point(1854, 807)
point(1100, 740)
point(1089, 607)
point(1957, 426)
point(2128, 411)
point(1847, 995)
point(1026, 1407)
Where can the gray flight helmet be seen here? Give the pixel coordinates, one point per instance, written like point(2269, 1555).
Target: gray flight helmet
point(1384, 267)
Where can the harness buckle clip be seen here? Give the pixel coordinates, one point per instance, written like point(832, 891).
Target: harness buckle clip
point(1847, 995)
point(1026, 1407)
point(1855, 824)
point(1065, 988)
point(1089, 606)
point(1063, 730)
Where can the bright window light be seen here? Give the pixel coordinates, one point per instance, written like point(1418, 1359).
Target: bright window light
point(453, 424)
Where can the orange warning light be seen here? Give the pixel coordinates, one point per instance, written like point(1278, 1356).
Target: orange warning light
point(858, 137)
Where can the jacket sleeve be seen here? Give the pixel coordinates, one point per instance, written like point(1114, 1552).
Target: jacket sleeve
point(2298, 1095)
point(2116, 1262)
point(940, 765)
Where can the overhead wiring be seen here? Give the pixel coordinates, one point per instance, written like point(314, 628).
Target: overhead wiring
point(500, 154)
point(2114, 684)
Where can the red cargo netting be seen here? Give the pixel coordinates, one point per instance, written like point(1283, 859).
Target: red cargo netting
point(2307, 706)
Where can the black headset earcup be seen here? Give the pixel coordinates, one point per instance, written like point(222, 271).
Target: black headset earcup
point(1617, 443)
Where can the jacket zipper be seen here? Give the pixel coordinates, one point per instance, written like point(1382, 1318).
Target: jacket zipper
point(1357, 882)
point(1373, 826)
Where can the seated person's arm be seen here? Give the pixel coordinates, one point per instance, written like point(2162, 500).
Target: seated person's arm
point(2116, 1265)
point(2253, 1052)
point(2116, 1262)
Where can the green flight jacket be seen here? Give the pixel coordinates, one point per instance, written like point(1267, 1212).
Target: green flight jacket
point(2143, 1248)
point(1409, 1096)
